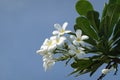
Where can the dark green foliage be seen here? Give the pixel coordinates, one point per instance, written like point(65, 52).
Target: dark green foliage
point(104, 36)
point(84, 25)
point(81, 7)
point(93, 17)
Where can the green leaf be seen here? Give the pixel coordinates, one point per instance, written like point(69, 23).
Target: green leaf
point(83, 6)
point(80, 66)
point(109, 19)
point(75, 71)
point(117, 31)
point(114, 1)
point(97, 63)
point(103, 33)
point(81, 63)
point(93, 17)
point(86, 65)
point(113, 13)
point(95, 67)
point(84, 25)
point(82, 72)
point(79, 72)
point(116, 50)
point(104, 10)
point(91, 42)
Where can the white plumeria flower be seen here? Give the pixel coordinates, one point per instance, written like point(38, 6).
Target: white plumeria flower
point(48, 61)
point(50, 44)
point(48, 56)
point(59, 40)
point(78, 51)
point(78, 39)
point(105, 71)
point(61, 29)
point(42, 51)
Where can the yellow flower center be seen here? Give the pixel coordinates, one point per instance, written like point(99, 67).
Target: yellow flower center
point(57, 40)
point(78, 39)
point(50, 43)
point(77, 51)
point(62, 31)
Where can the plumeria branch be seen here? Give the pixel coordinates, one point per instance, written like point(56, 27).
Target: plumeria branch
point(95, 42)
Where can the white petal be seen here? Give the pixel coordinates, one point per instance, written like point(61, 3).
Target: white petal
point(38, 51)
point(84, 37)
point(41, 52)
point(61, 33)
point(64, 25)
point(57, 26)
point(67, 31)
point(61, 41)
point(52, 48)
point(45, 41)
point(73, 37)
point(46, 58)
point(80, 48)
point(45, 66)
point(62, 38)
point(78, 33)
point(82, 53)
point(55, 32)
point(43, 47)
point(53, 38)
point(76, 42)
point(48, 64)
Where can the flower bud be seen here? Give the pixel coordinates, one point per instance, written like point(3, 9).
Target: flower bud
point(105, 71)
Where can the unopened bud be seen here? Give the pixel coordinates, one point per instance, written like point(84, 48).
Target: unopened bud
point(105, 71)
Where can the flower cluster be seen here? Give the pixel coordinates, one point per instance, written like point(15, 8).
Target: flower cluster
point(59, 43)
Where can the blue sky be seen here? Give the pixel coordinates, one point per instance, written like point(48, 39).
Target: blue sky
point(24, 24)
